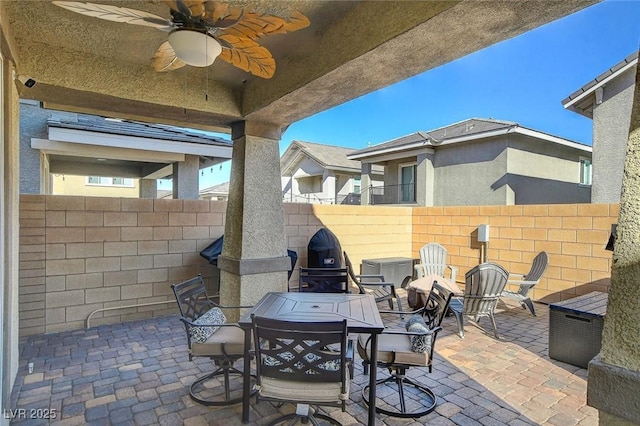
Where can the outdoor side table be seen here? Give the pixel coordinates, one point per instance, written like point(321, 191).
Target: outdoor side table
point(575, 328)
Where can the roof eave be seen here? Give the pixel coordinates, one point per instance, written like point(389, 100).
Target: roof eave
point(570, 102)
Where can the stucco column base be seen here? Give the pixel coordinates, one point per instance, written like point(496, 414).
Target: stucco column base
point(613, 390)
point(254, 257)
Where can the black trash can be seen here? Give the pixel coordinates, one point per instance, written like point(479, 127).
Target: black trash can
point(213, 250)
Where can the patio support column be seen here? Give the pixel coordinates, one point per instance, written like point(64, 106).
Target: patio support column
point(614, 375)
point(365, 184)
point(186, 177)
point(148, 188)
point(425, 176)
point(9, 230)
point(329, 187)
point(254, 257)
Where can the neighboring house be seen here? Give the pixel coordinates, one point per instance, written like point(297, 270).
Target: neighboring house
point(95, 186)
point(219, 192)
point(321, 174)
point(80, 154)
point(607, 100)
point(477, 162)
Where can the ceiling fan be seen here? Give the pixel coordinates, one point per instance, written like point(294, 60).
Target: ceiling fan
point(201, 30)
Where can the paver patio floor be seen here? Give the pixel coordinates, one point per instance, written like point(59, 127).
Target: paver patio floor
point(137, 373)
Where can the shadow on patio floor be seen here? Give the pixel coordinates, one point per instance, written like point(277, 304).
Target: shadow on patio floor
point(137, 373)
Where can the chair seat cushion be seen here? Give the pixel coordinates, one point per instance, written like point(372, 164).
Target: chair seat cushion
point(317, 392)
point(394, 348)
point(212, 316)
point(227, 340)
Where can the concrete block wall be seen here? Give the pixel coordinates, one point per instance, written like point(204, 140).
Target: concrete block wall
point(574, 236)
point(363, 231)
point(79, 254)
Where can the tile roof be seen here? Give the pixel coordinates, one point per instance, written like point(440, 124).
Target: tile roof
point(607, 74)
point(329, 156)
point(93, 123)
point(221, 188)
point(471, 126)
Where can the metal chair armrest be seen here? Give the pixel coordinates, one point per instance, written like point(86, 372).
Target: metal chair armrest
point(379, 277)
point(383, 284)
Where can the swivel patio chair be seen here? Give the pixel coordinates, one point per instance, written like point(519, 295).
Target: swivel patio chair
point(209, 335)
point(527, 282)
point(293, 365)
point(401, 349)
point(374, 285)
point(433, 261)
point(483, 287)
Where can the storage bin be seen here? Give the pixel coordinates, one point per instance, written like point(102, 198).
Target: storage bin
point(396, 270)
point(575, 328)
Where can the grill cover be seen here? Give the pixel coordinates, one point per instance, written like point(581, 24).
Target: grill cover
point(213, 250)
point(324, 250)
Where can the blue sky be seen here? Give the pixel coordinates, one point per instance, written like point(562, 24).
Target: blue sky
point(523, 79)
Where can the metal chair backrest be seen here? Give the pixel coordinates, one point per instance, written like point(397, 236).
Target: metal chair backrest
point(483, 286)
point(434, 258)
point(437, 305)
point(352, 273)
point(297, 351)
point(192, 298)
point(324, 280)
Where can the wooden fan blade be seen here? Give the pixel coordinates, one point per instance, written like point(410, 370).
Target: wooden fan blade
point(253, 25)
point(216, 11)
point(117, 14)
point(248, 55)
point(165, 59)
point(190, 8)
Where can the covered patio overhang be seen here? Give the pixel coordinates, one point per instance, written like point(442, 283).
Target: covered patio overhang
point(85, 64)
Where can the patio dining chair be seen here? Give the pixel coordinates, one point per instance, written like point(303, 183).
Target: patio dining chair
point(294, 365)
point(402, 349)
point(324, 280)
point(210, 335)
point(374, 285)
point(483, 287)
point(527, 282)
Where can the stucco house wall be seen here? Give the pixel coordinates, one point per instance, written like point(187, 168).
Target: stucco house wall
point(607, 100)
point(481, 162)
point(33, 124)
point(77, 185)
point(467, 174)
point(611, 120)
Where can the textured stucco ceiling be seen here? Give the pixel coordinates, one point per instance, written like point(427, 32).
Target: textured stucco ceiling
point(351, 48)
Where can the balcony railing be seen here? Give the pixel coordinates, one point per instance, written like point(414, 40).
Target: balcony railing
point(392, 194)
point(350, 199)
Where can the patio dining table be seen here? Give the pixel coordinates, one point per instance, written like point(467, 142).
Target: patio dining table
point(360, 311)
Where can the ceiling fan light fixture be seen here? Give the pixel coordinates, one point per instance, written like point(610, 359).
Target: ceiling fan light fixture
point(194, 48)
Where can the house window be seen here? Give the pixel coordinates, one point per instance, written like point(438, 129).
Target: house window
point(585, 171)
point(407, 183)
point(356, 184)
point(109, 181)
